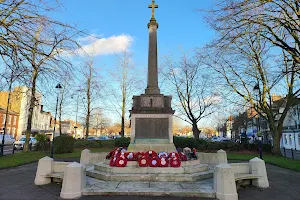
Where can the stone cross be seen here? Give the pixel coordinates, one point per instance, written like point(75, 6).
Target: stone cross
point(152, 85)
point(153, 6)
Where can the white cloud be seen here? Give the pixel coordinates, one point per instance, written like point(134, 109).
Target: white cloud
point(102, 46)
point(90, 38)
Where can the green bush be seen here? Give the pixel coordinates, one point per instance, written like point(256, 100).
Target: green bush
point(43, 143)
point(87, 144)
point(94, 143)
point(203, 145)
point(181, 142)
point(63, 144)
point(108, 143)
point(122, 142)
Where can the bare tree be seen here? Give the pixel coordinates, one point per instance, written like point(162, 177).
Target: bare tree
point(191, 86)
point(40, 41)
point(64, 100)
point(126, 84)
point(240, 122)
point(277, 21)
point(98, 120)
point(92, 90)
point(13, 71)
point(46, 65)
point(245, 66)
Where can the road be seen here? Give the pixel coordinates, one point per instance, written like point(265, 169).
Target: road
point(8, 149)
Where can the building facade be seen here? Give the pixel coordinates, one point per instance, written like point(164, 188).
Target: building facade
point(68, 127)
point(19, 103)
point(11, 123)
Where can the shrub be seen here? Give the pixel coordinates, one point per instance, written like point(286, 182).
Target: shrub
point(63, 144)
point(185, 142)
point(122, 142)
point(43, 143)
point(108, 143)
point(203, 145)
point(87, 144)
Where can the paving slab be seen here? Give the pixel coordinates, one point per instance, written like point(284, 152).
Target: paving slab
point(284, 185)
point(148, 188)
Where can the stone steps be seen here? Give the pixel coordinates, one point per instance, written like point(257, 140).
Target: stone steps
point(163, 177)
point(133, 169)
point(200, 189)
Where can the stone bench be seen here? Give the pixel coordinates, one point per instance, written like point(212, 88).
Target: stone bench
point(244, 179)
point(56, 176)
point(228, 177)
point(72, 175)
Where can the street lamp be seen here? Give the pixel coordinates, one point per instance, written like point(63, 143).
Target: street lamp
point(256, 89)
point(58, 86)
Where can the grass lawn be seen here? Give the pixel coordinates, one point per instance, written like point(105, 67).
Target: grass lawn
point(22, 158)
point(279, 161)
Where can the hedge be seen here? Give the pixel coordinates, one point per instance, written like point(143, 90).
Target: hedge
point(63, 144)
point(179, 142)
point(94, 143)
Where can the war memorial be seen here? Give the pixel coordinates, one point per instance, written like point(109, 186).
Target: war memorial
point(151, 166)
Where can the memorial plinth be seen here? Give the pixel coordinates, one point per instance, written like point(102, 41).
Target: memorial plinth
point(152, 114)
point(151, 124)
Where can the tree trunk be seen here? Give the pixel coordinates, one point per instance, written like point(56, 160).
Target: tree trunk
point(87, 120)
point(88, 95)
point(123, 116)
point(276, 134)
point(60, 108)
point(196, 131)
point(30, 110)
point(7, 113)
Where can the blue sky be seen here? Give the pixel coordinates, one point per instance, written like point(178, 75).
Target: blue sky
point(181, 25)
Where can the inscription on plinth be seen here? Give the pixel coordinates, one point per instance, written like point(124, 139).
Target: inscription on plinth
point(152, 128)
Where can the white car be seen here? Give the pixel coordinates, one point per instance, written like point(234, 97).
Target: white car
point(8, 139)
point(215, 139)
point(20, 143)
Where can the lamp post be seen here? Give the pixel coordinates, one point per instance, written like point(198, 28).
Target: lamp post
point(256, 89)
point(58, 86)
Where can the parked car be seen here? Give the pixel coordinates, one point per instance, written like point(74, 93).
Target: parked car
point(92, 138)
point(103, 138)
point(8, 139)
point(117, 136)
point(20, 143)
point(215, 139)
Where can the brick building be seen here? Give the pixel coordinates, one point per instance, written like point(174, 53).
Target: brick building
point(12, 122)
point(19, 103)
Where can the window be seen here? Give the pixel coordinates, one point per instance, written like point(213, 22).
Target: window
point(15, 120)
point(290, 139)
point(285, 139)
point(13, 132)
point(299, 139)
point(3, 118)
point(8, 131)
point(9, 119)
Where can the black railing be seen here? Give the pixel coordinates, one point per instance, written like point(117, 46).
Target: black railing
point(291, 153)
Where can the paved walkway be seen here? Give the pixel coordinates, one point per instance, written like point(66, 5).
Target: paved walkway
point(17, 183)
